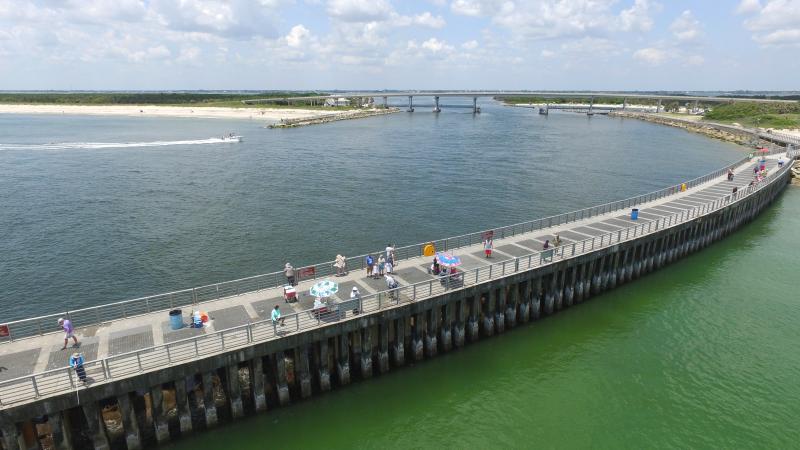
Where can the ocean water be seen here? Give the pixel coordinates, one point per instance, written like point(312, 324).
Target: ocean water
point(170, 207)
point(701, 354)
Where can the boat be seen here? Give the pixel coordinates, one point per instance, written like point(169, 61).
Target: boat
point(232, 137)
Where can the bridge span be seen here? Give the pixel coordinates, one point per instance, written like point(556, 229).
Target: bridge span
point(474, 95)
point(149, 383)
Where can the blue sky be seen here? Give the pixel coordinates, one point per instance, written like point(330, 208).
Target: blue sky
point(393, 44)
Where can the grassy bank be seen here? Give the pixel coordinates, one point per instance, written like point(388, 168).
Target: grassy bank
point(764, 115)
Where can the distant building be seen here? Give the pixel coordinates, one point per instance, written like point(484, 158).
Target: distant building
point(341, 101)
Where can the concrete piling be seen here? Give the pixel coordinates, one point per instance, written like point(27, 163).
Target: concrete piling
point(383, 348)
point(281, 379)
point(399, 341)
point(445, 329)
point(182, 403)
point(499, 309)
point(366, 352)
point(417, 336)
point(303, 371)
point(159, 420)
point(323, 370)
point(95, 427)
point(235, 392)
point(208, 400)
point(431, 331)
point(131, 428)
point(62, 439)
point(343, 359)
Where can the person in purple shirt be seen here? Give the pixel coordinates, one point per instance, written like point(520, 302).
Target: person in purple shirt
point(69, 332)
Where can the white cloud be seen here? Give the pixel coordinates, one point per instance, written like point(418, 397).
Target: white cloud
point(297, 36)
point(429, 20)
point(637, 17)
point(748, 6)
point(435, 46)
point(470, 45)
point(472, 8)
point(547, 54)
point(775, 24)
point(695, 60)
point(360, 10)
point(686, 28)
point(651, 55)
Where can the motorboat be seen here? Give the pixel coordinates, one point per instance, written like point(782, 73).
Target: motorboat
point(232, 138)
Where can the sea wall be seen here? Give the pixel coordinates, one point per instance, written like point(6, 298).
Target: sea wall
point(156, 407)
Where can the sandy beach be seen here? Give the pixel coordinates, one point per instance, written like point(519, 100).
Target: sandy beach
point(210, 112)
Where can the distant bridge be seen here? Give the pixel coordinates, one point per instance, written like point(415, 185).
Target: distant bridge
point(543, 94)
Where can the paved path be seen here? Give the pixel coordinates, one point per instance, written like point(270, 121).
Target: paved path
point(42, 353)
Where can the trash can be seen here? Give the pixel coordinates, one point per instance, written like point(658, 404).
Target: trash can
point(176, 319)
point(634, 213)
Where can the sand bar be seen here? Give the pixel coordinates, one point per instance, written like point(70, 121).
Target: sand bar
point(205, 112)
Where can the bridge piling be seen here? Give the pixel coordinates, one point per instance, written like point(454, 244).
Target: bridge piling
point(323, 367)
point(282, 380)
point(436, 108)
point(366, 352)
point(182, 404)
point(129, 425)
point(498, 297)
point(410, 104)
point(208, 400)
point(157, 409)
point(303, 370)
point(95, 426)
point(431, 332)
point(383, 348)
point(445, 330)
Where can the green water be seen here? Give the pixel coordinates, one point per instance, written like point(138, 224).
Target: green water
point(701, 354)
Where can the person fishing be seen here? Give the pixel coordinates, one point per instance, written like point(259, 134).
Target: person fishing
point(76, 362)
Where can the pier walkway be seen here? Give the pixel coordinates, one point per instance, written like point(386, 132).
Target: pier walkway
point(125, 339)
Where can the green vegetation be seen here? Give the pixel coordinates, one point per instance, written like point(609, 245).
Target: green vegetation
point(764, 115)
point(564, 100)
point(194, 99)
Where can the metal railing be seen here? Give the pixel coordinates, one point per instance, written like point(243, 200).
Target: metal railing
point(95, 315)
point(60, 381)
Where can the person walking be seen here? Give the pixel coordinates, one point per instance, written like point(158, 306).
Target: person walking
point(381, 265)
point(288, 270)
point(370, 265)
point(76, 362)
point(487, 247)
point(341, 265)
point(276, 316)
point(557, 240)
point(69, 332)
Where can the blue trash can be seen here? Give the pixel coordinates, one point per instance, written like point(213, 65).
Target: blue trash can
point(634, 213)
point(176, 319)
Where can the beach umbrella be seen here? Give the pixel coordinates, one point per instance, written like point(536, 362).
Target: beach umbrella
point(324, 288)
point(448, 260)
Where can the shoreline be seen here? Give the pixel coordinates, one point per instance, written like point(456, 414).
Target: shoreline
point(722, 132)
point(202, 112)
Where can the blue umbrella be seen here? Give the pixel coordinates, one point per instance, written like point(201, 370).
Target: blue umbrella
point(325, 288)
point(448, 260)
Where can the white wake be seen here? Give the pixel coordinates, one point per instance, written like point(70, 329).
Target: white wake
point(99, 145)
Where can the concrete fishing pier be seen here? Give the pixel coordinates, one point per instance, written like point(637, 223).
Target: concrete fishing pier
point(150, 384)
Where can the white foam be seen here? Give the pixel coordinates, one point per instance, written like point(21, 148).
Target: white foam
point(100, 145)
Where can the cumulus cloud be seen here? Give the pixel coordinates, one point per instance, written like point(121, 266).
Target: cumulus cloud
point(360, 10)
point(686, 28)
point(470, 45)
point(775, 24)
point(429, 20)
point(748, 6)
point(651, 55)
point(638, 16)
